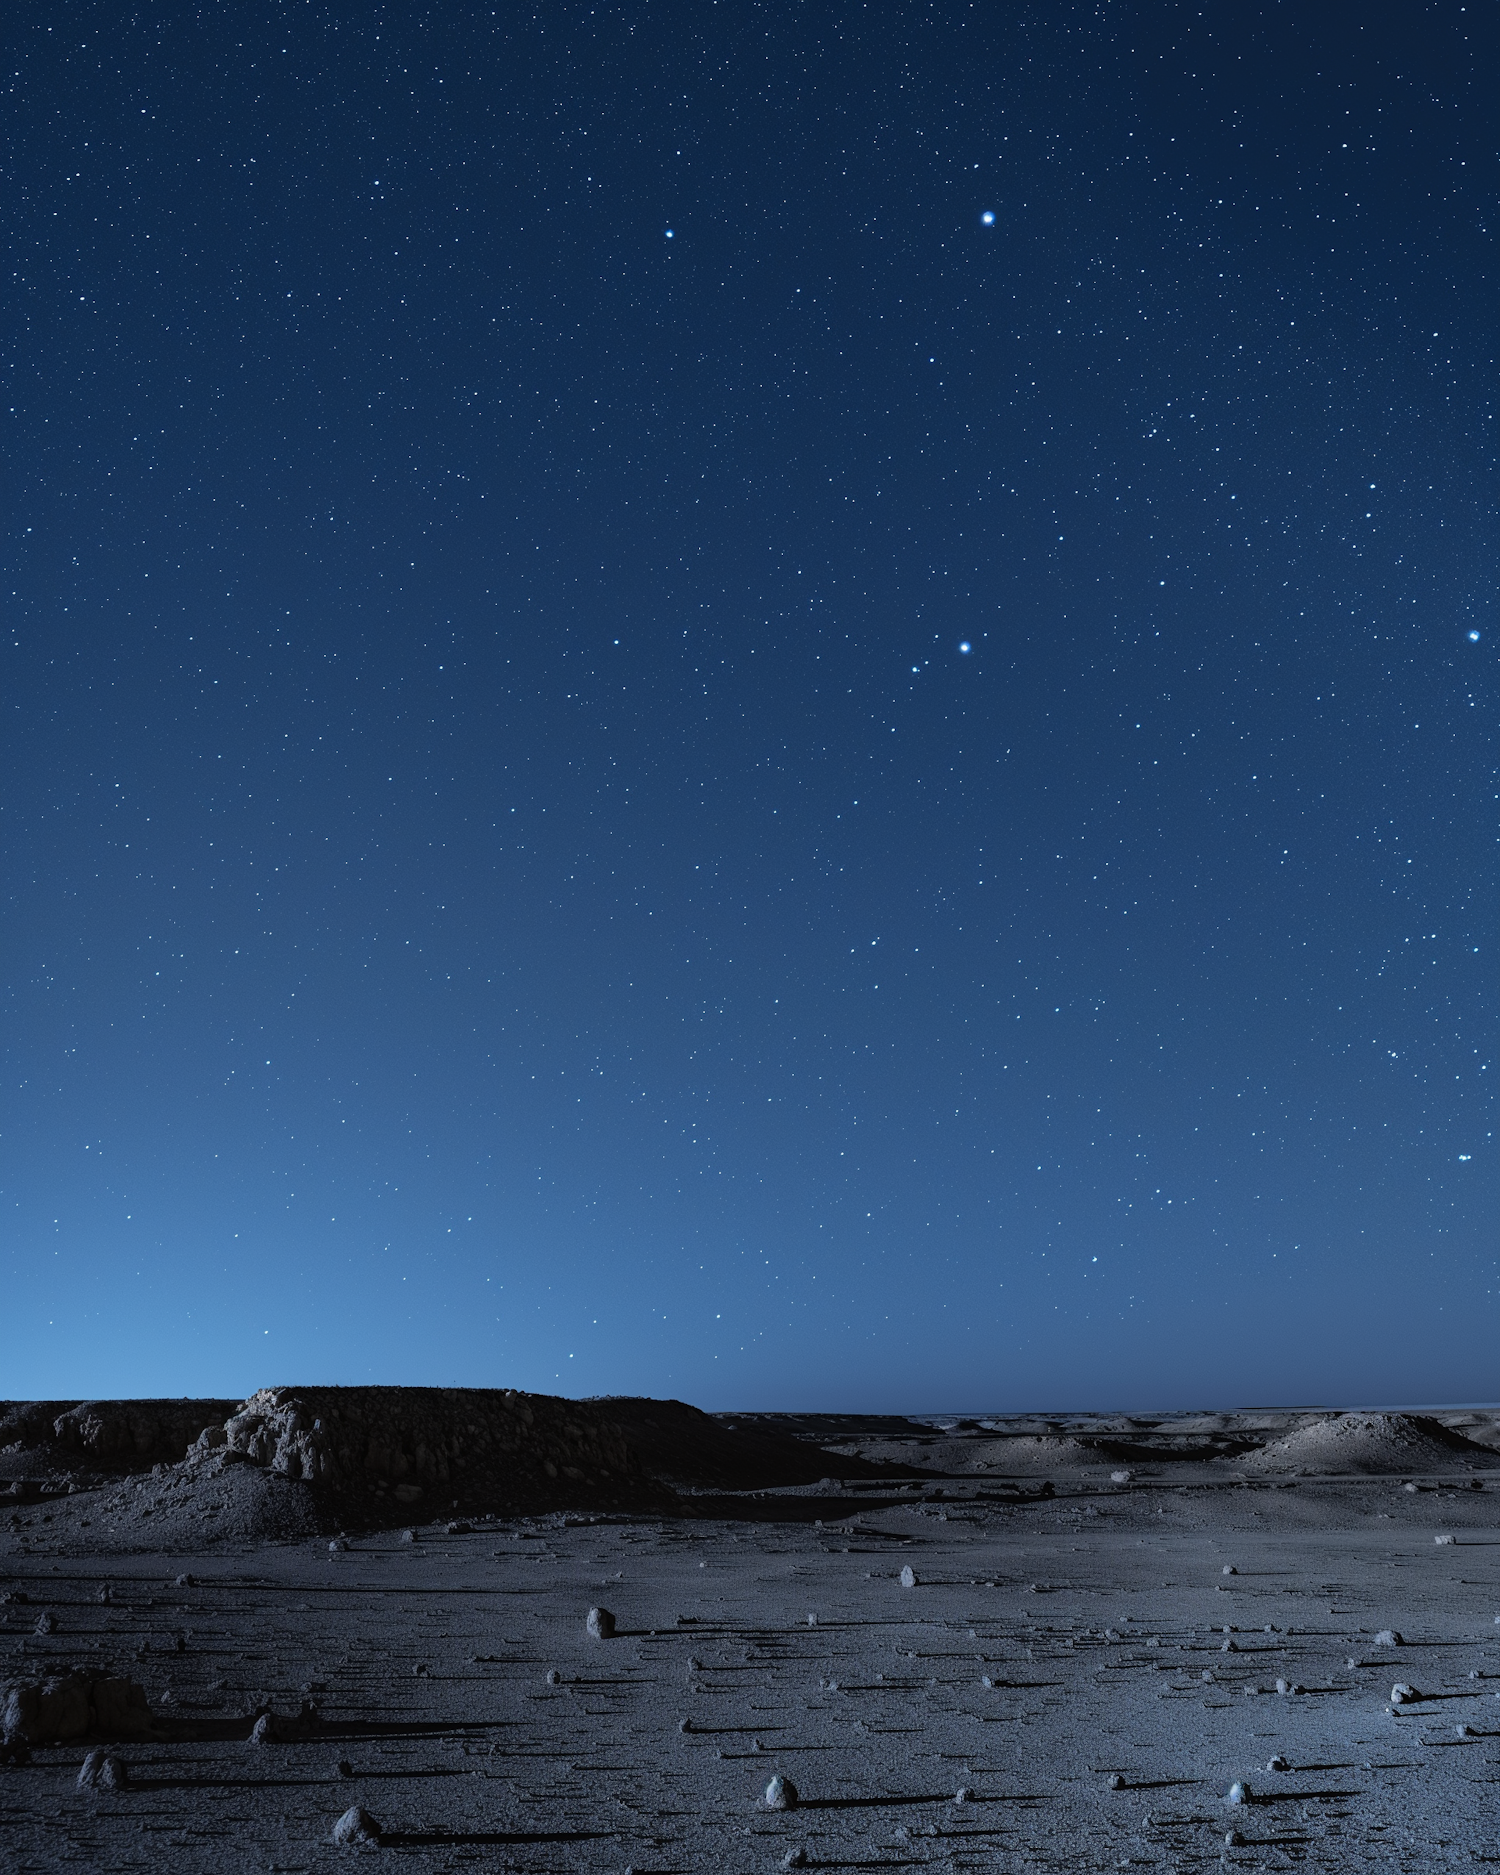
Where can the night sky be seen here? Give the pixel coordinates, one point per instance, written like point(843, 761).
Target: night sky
point(787, 704)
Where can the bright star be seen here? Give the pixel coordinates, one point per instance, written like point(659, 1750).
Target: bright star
point(1473, 638)
point(669, 234)
point(966, 647)
point(988, 218)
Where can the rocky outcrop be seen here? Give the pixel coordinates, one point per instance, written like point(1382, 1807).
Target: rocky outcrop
point(435, 1447)
point(51, 1437)
point(74, 1705)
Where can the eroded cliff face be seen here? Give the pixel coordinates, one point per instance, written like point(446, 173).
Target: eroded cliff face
point(292, 1461)
point(437, 1445)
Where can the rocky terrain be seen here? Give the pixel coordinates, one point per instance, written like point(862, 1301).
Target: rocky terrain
point(997, 1643)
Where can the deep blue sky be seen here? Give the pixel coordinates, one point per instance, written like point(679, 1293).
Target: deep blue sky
point(510, 875)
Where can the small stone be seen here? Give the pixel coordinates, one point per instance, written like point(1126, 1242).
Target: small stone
point(908, 1576)
point(338, 1543)
point(963, 1794)
point(1389, 1637)
point(1402, 1694)
point(781, 1794)
point(1229, 1570)
point(1278, 1763)
point(356, 1825)
point(812, 1621)
point(1120, 1477)
point(407, 1536)
point(1231, 1646)
point(1234, 1840)
point(1465, 1731)
point(1282, 1687)
point(600, 1624)
point(46, 1623)
point(1442, 1539)
point(344, 1768)
point(684, 1725)
point(1351, 1662)
point(1408, 1487)
point(106, 1594)
point(1114, 1781)
point(101, 1770)
point(794, 1858)
point(264, 1730)
point(986, 1682)
point(460, 1529)
point(1239, 1793)
point(554, 1678)
point(186, 1582)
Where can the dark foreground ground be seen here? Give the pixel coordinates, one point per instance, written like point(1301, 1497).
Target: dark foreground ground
point(1052, 1642)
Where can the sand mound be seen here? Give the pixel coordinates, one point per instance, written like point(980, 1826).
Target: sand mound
point(1370, 1442)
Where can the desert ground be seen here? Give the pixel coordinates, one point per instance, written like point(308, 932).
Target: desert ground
point(983, 1642)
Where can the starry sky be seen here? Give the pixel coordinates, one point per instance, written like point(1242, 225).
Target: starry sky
point(788, 705)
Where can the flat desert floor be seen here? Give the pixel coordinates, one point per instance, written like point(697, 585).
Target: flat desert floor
point(1084, 1659)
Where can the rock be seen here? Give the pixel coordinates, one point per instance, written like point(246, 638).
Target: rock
point(265, 1730)
point(781, 1794)
point(101, 1770)
point(963, 1794)
point(1234, 1840)
point(1120, 1477)
point(794, 1858)
point(343, 1768)
point(1278, 1763)
point(1114, 1781)
point(554, 1678)
point(356, 1826)
point(1464, 1731)
point(1402, 1694)
point(684, 1725)
point(1282, 1687)
point(1389, 1637)
point(185, 1582)
point(908, 1576)
point(1239, 1793)
point(1231, 1646)
point(1442, 1539)
point(68, 1706)
point(338, 1544)
point(408, 1536)
point(600, 1624)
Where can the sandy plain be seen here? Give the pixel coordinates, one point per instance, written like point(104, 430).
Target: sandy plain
point(1102, 1613)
